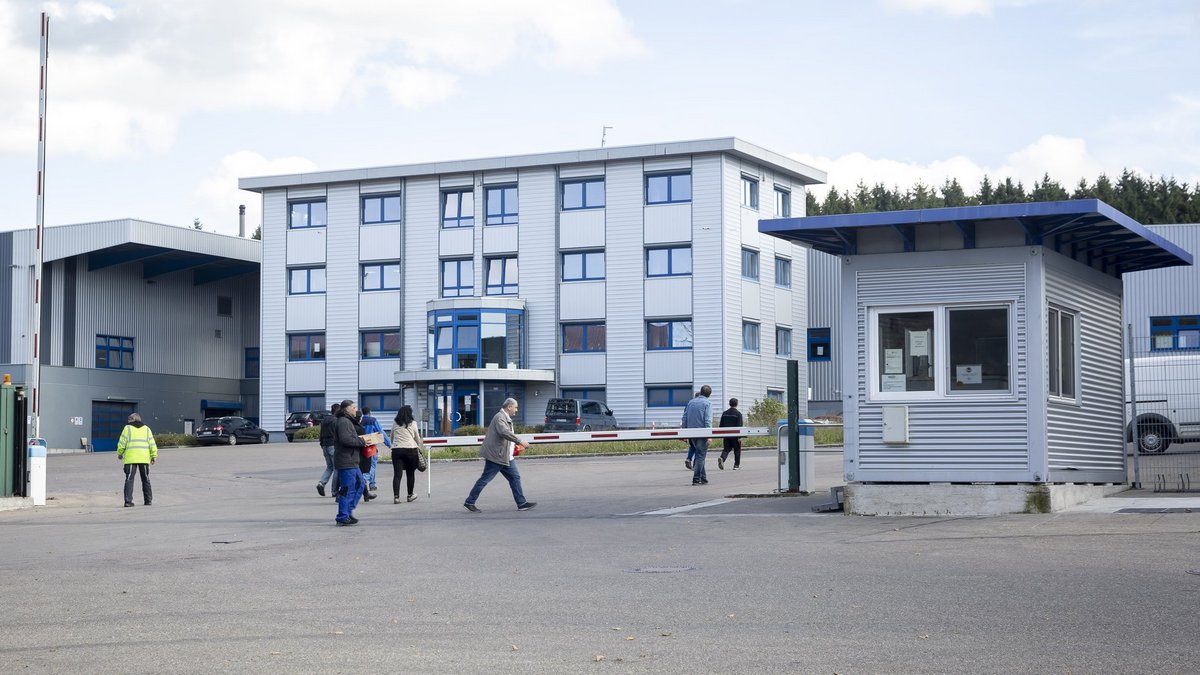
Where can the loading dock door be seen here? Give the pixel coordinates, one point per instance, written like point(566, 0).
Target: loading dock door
point(108, 419)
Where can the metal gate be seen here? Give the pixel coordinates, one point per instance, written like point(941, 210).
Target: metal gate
point(1163, 395)
point(108, 419)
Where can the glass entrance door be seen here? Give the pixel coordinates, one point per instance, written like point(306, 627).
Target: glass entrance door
point(454, 406)
point(466, 405)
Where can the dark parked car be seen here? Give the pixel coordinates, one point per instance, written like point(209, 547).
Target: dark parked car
point(571, 414)
point(299, 420)
point(230, 431)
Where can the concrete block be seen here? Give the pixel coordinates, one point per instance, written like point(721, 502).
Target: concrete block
point(924, 499)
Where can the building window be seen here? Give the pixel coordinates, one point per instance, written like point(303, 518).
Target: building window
point(224, 305)
point(458, 208)
point(502, 276)
point(783, 341)
point(668, 397)
point(306, 280)
point(977, 341)
point(819, 344)
point(1170, 333)
point(252, 363)
point(783, 202)
point(775, 395)
point(458, 278)
point(475, 339)
point(749, 192)
point(669, 262)
point(583, 266)
point(597, 394)
point(305, 402)
point(583, 194)
point(381, 277)
point(501, 203)
point(306, 347)
point(306, 214)
point(750, 332)
point(668, 335)
point(783, 272)
point(114, 352)
point(584, 337)
point(381, 344)
point(380, 209)
point(379, 400)
point(749, 264)
point(1063, 346)
point(669, 188)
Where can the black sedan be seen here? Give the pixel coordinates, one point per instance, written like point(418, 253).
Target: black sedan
point(230, 431)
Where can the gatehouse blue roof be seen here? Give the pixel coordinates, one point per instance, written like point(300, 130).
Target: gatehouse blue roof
point(1088, 230)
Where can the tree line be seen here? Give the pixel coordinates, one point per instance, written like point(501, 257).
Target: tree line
point(1149, 201)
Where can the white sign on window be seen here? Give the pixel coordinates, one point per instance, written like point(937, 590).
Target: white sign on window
point(918, 343)
point(893, 360)
point(972, 374)
point(893, 383)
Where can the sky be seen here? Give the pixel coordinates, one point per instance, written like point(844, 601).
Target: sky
point(155, 108)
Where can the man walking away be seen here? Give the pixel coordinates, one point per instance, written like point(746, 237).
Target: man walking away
point(731, 418)
point(370, 425)
point(498, 457)
point(347, 451)
point(698, 415)
point(138, 450)
point(327, 448)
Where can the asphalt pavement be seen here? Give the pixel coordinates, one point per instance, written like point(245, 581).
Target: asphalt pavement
point(623, 566)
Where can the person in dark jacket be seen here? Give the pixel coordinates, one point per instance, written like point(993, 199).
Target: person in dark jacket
point(327, 448)
point(731, 418)
point(347, 452)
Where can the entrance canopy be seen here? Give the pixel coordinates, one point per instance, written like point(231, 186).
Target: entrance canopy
point(1087, 230)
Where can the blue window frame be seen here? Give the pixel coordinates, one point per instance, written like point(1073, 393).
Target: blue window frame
point(783, 341)
point(458, 278)
point(750, 192)
point(306, 347)
point(380, 209)
point(583, 266)
point(584, 337)
point(379, 400)
point(750, 331)
point(783, 202)
point(252, 363)
point(668, 335)
point(675, 261)
point(114, 352)
point(587, 193)
point(598, 394)
point(750, 264)
point(669, 188)
point(458, 208)
point(381, 276)
point(307, 214)
point(783, 272)
point(819, 347)
point(668, 397)
point(305, 402)
point(306, 280)
point(380, 344)
point(1174, 333)
point(462, 338)
point(501, 277)
point(501, 203)
point(775, 395)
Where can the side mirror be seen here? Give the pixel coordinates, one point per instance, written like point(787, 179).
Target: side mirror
point(608, 412)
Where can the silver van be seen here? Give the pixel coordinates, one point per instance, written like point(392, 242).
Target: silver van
point(578, 414)
point(1168, 401)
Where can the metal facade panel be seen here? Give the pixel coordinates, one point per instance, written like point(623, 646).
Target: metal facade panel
point(824, 303)
point(623, 266)
point(1086, 442)
point(306, 246)
point(379, 309)
point(420, 265)
point(581, 369)
point(538, 267)
point(377, 375)
point(1171, 291)
point(308, 377)
point(457, 242)
point(669, 296)
point(582, 301)
point(273, 352)
point(500, 238)
point(70, 291)
point(709, 312)
point(380, 242)
point(581, 170)
point(670, 223)
point(306, 312)
point(976, 440)
point(342, 278)
point(7, 301)
point(752, 301)
point(581, 229)
point(671, 367)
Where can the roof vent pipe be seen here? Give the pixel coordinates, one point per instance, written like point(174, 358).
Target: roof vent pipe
point(242, 221)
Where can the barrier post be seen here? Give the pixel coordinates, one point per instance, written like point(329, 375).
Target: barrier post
point(793, 418)
point(37, 471)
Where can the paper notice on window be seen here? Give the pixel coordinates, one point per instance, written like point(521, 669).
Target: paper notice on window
point(893, 383)
point(918, 343)
point(972, 374)
point(893, 361)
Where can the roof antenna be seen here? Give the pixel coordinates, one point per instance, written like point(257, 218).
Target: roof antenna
point(604, 135)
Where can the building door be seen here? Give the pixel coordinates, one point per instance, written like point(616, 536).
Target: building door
point(466, 404)
point(108, 419)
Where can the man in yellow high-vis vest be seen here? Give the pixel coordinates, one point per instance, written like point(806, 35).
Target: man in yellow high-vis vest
point(138, 450)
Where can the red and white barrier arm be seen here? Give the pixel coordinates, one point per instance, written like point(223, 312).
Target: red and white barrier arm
point(595, 436)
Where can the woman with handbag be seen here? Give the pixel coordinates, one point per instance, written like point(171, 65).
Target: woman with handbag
point(407, 456)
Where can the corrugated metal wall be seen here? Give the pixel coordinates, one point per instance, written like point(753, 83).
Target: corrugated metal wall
point(537, 196)
point(342, 278)
point(623, 271)
point(967, 440)
point(824, 303)
point(273, 348)
point(1172, 291)
point(420, 267)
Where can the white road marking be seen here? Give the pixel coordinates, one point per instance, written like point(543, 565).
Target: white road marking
point(684, 509)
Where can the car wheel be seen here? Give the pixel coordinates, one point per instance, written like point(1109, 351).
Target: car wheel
point(289, 439)
point(263, 439)
point(232, 439)
point(1152, 439)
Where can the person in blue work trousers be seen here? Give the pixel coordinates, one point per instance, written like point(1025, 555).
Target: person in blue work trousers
point(698, 415)
point(137, 449)
point(347, 452)
point(370, 425)
point(499, 450)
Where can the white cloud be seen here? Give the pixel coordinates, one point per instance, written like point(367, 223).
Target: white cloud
point(218, 196)
point(123, 75)
point(955, 7)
